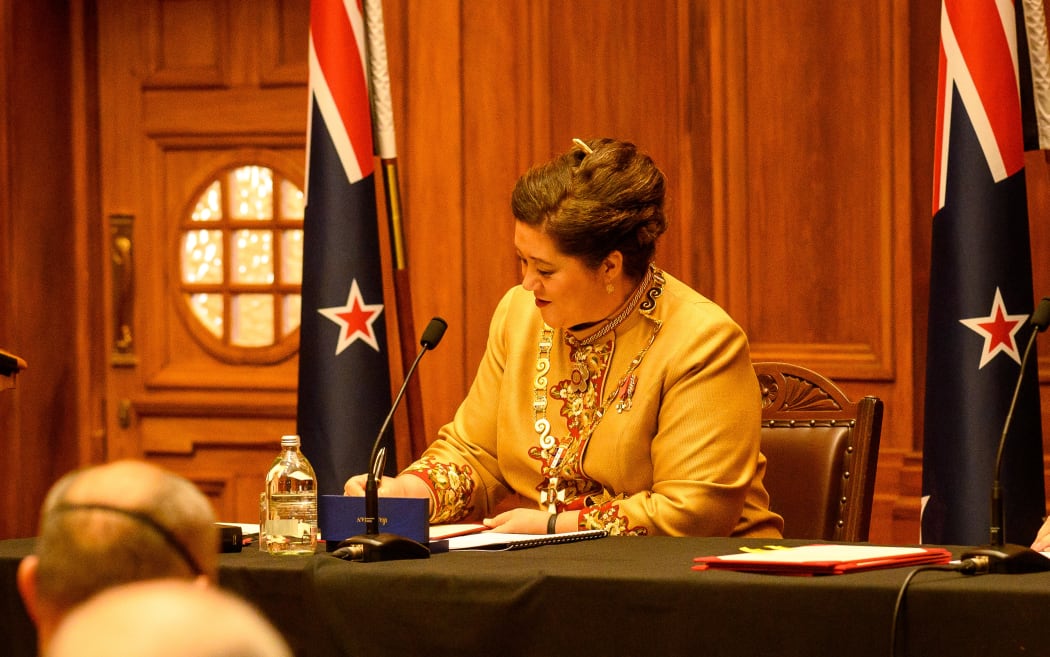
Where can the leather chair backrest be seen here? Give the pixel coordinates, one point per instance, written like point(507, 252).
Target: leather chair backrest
point(822, 452)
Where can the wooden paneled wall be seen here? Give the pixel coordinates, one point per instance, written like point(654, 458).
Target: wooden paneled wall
point(784, 129)
point(45, 291)
point(796, 137)
point(774, 213)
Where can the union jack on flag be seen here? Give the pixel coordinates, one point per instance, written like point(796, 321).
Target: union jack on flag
point(993, 103)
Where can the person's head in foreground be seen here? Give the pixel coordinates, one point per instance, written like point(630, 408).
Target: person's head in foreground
point(166, 618)
point(111, 524)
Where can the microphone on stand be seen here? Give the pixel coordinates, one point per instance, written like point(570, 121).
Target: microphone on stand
point(10, 364)
point(374, 545)
point(999, 556)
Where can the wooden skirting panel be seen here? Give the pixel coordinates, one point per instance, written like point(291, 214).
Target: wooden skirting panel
point(898, 493)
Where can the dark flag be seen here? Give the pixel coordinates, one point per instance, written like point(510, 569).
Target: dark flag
point(981, 278)
point(344, 372)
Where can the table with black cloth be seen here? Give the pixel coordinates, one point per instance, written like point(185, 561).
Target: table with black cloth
point(612, 596)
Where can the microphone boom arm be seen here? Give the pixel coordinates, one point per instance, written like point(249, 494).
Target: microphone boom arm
point(999, 556)
point(996, 533)
point(374, 545)
point(377, 460)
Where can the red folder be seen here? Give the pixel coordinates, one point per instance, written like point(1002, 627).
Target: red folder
point(822, 559)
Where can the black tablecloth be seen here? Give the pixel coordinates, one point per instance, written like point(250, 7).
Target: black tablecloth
point(614, 596)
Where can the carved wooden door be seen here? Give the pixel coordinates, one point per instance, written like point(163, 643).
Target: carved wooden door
point(202, 114)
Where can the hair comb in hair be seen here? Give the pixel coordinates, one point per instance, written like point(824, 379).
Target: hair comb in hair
point(582, 144)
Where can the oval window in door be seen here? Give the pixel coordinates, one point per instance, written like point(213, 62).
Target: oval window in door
point(240, 261)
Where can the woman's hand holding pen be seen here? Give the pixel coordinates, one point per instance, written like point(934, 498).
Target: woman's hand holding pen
point(388, 486)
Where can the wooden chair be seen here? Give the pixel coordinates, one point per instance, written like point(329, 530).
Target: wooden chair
point(822, 451)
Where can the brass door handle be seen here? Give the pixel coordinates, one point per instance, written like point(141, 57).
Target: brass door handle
point(123, 289)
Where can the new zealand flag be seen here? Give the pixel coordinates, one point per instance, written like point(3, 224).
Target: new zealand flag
point(981, 279)
point(344, 372)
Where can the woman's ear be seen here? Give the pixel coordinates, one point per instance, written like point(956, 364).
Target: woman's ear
point(612, 266)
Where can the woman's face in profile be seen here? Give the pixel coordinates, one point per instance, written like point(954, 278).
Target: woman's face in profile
point(567, 292)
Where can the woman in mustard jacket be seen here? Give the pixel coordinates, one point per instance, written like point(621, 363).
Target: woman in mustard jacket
point(611, 395)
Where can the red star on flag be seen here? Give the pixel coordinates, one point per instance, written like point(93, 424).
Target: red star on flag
point(355, 320)
point(998, 330)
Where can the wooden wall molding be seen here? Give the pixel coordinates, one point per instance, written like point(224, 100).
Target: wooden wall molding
point(187, 44)
point(776, 135)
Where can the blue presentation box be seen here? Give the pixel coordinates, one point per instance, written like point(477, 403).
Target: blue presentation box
point(339, 517)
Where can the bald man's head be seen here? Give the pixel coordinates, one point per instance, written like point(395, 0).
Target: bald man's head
point(166, 618)
point(111, 524)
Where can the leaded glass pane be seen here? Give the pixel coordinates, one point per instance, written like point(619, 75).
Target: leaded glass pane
point(252, 319)
point(202, 254)
point(292, 201)
point(209, 205)
point(208, 309)
point(292, 257)
point(292, 313)
point(251, 193)
point(252, 257)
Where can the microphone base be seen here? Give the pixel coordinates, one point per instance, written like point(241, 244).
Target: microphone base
point(380, 547)
point(1008, 559)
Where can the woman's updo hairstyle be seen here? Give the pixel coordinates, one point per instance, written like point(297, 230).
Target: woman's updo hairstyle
point(599, 197)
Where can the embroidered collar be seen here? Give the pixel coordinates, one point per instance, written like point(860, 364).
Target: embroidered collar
point(612, 323)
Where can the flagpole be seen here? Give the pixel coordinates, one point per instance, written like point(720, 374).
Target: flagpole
point(1038, 52)
point(386, 148)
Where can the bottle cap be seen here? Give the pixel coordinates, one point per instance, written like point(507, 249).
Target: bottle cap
point(290, 440)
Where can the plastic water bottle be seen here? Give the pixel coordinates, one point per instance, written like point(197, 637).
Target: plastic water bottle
point(290, 524)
